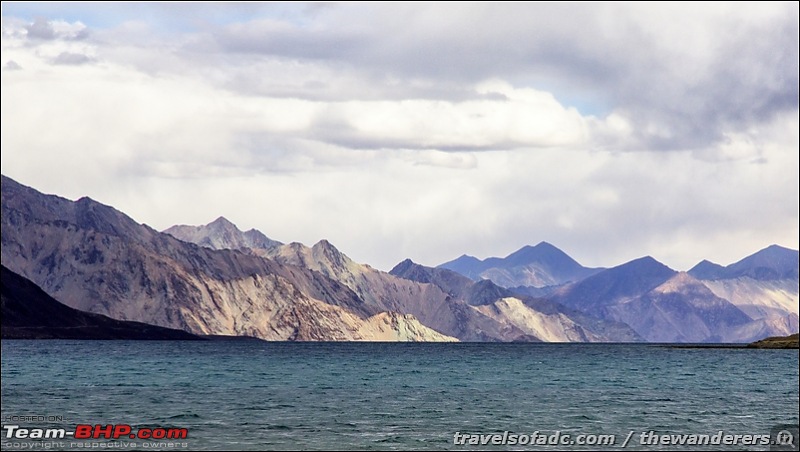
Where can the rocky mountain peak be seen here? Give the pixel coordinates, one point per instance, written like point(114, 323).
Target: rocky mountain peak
point(222, 234)
point(222, 223)
point(324, 252)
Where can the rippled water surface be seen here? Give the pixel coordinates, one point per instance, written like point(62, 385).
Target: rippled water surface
point(374, 396)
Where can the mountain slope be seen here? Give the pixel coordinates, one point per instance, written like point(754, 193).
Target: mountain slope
point(29, 313)
point(395, 327)
point(536, 266)
point(681, 309)
point(757, 298)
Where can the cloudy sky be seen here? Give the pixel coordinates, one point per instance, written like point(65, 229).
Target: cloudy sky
point(423, 131)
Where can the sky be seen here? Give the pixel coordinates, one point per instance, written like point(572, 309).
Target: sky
point(421, 131)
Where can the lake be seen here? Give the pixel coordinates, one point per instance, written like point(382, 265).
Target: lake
point(255, 395)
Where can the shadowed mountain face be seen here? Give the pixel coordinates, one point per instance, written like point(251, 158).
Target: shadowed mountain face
point(29, 313)
point(665, 306)
point(454, 284)
point(707, 270)
point(763, 285)
point(682, 309)
point(615, 285)
point(222, 234)
point(534, 266)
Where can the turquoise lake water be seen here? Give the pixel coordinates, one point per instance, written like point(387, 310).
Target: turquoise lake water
point(394, 396)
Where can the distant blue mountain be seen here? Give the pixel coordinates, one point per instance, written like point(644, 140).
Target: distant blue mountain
point(469, 266)
point(625, 281)
point(659, 303)
point(537, 266)
point(706, 269)
point(772, 263)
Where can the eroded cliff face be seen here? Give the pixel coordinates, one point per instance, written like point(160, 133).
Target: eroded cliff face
point(393, 326)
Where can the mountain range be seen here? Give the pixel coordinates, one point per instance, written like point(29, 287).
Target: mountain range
point(750, 299)
point(218, 280)
point(459, 313)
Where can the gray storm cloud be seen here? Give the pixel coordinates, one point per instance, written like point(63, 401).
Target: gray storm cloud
point(682, 85)
point(422, 131)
